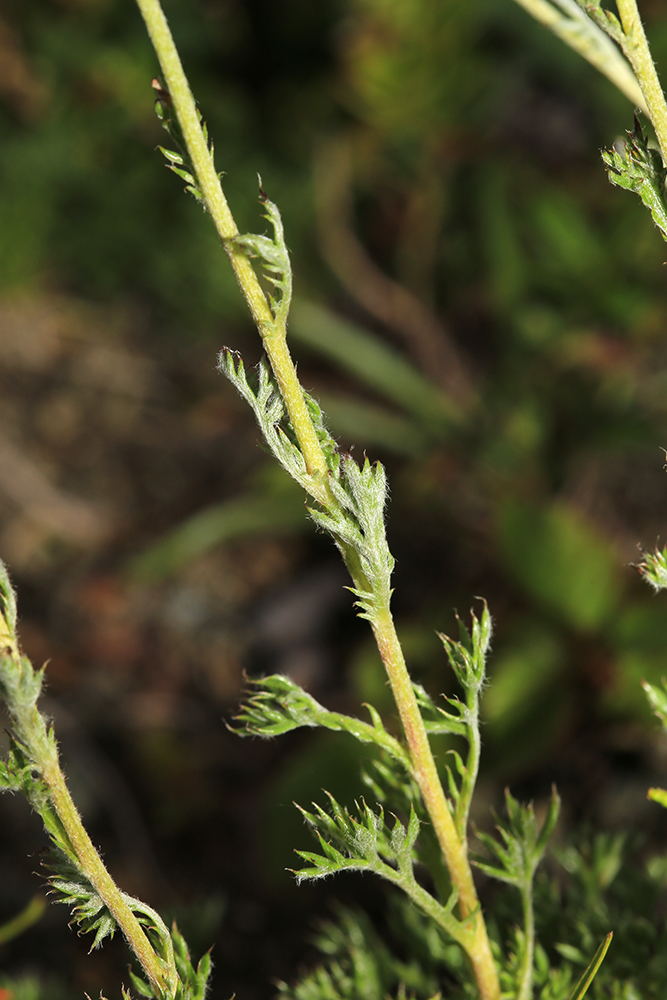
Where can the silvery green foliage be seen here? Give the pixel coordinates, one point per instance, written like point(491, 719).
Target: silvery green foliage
point(467, 658)
point(267, 404)
point(654, 569)
point(32, 747)
point(355, 517)
point(275, 257)
point(639, 168)
point(367, 843)
point(276, 705)
point(657, 697)
point(606, 20)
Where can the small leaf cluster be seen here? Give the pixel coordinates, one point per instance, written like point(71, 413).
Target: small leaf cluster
point(354, 517)
point(521, 844)
point(178, 161)
point(639, 168)
point(193, 981)
point(654, 568)
point(274, 256)
point(277, 704)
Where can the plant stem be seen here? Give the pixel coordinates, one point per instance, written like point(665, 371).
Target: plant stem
point(275, 343)
point(273, 334)
point(588, 39)
point(637, 51)
point(525, 991)
point(428, 779)
point(33, 735)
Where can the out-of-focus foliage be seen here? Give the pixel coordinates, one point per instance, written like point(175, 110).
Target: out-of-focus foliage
point(437, 170)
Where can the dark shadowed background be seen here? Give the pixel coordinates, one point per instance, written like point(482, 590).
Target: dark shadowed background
point(476, 307)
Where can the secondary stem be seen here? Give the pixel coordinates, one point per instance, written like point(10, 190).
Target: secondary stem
point(642, 62)
point(164, 981)
point(33, 734)
point(428, 779)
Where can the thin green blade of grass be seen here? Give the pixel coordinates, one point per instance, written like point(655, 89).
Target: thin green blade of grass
point(589, 975)
point(375, 363)
point(207, 528)
point(365, 424)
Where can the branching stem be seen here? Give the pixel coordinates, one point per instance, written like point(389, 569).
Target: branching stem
point(274, 340)
point(428, 779)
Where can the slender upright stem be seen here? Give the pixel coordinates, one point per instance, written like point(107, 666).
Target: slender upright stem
point(274, 340)
point(427, 777)
point(164, 980)
point(637, 51)
point(525, 991)
point(273, 334)
point(32, 733)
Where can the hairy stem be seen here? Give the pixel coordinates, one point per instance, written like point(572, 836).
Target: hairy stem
point(525, 991)
point(637, 51)
point(274, 340)
point(34, 736)
point(273, 334)
point(589, 40)
point(428, 779)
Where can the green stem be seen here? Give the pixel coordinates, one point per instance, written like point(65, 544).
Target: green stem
point(428, 779)
point(32, 733)
point(637, 50)
point(525, 991)
point(588, 39)
point(472, 763)
point(275, 343)
point(273, 334)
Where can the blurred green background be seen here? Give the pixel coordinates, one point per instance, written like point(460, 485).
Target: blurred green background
point(476, 307)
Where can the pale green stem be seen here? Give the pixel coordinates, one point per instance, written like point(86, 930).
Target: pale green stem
point(578, 31)
point(525, 991)
point(472, 765)
point(427, 777)
point(274, 339)
point(32, 733)
point(273, 334)
point(23, 920)
point(638, 53)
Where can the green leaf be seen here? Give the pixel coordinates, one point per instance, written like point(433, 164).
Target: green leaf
point(639, 168)
point(277, 705)
point(7, 604)
point(581, 988)
point(360, 844)
point(654, 569)
point(521, 844)
point(274, 255)
point(657, 697)
point(658, 795)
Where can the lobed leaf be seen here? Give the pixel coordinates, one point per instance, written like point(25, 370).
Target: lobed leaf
point(277, 705)
point(521, 844)
point(639, 168)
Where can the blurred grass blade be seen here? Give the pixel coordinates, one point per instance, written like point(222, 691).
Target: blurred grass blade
point(589, 975)
point(209, 527)
point(374, 362)
point(28, 916)
point(367, 424)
